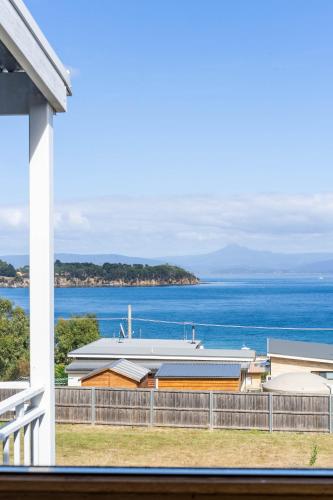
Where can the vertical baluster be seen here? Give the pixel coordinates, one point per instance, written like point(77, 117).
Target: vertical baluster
point(27, 444)
point(19, 412)
point(35, 442)
point(6, 451)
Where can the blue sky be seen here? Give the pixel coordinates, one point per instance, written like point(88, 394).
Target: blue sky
point(185, 110)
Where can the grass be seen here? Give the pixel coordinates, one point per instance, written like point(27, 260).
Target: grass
point(138, 446)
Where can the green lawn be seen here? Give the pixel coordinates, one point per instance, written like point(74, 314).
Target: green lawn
point(138, 446)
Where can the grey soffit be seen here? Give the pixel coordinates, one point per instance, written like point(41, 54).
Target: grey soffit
point(123, 367)
point(298, 349)
point(7, 61)
point(199, 370)
point(155, 347)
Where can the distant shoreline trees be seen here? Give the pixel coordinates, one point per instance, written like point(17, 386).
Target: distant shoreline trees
point(108, 273)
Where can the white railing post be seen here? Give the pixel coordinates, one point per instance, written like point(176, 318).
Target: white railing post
point(41, 274)
point(27, 443)
point(19, 412)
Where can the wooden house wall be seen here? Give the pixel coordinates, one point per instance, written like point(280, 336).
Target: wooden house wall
point(198, 384)
point(109, 378)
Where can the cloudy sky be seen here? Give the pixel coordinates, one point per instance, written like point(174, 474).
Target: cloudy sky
point(193, 124)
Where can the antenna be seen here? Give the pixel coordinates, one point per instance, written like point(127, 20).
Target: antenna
point(121, 333)
point(193, 334)
point(129, 321)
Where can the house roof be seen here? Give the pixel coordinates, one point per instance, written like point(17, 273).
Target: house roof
point(25, 49)
point(199, 370)
point(110, 348)
point(123, 367)
point(300, 350)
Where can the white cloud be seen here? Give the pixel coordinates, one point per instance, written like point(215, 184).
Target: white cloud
point(188, 224)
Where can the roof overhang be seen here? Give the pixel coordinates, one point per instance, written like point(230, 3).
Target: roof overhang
point(21, 35)
point(299, 358)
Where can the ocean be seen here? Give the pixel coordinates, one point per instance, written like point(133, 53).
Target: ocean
point(297, 302)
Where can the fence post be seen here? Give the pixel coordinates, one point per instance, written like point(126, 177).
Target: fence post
point(151, 417)
point(270, 399)
point(93, 405)
point(330, 413)
point(211, 415)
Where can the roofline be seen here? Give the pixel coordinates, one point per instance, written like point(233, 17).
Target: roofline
point(286, 356)
point(152, 356)
point(40, 38)
point(22, 37)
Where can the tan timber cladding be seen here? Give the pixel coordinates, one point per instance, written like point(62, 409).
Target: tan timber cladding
point(197, 384)
point(109, 378)
point(288, 365)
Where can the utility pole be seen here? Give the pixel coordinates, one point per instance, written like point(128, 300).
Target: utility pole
point(129, 321)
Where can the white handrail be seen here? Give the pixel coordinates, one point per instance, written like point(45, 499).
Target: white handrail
point(28, 418)
point(17, 424)
point(19, 398)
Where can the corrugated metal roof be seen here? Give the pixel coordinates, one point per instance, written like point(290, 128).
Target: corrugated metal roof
point(199, 370)
point(123, 367)
point(298, 349)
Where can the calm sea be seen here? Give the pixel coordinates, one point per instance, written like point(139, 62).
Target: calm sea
point(280, 302)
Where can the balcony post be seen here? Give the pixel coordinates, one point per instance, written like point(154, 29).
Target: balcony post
point(41, 271)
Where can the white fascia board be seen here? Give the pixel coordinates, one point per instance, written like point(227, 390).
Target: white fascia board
point(24, 40)
point(285, 356)
point(158, 357)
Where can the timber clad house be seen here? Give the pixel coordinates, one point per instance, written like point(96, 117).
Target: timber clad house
point(199, 376)
point(91, 360)
point(288, 356)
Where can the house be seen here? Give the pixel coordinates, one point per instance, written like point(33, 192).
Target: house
point(199, 376)
point(118, 374)
point(287, 356)
point(149, 353)
point(254, 376)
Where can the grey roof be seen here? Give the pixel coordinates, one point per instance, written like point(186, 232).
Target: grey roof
point(123, 367)
point(298, 349)
point(199, 370)
point(152, 348)
point(106, 346)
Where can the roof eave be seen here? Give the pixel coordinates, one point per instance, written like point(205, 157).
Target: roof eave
point(27, 44)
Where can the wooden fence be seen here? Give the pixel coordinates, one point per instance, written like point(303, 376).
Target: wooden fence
point(212, 410)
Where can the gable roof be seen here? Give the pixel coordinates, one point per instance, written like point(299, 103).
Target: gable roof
point(23, 40)
point(123, 367)
point(199, 370)
point(300, 350)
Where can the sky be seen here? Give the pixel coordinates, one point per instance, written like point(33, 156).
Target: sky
point(193, 124)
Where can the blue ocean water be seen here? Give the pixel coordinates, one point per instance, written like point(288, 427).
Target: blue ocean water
point(254, 301)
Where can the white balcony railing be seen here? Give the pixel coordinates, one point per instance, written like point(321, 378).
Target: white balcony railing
point(28, 414)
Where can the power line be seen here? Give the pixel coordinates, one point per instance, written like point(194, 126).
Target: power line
point(213, 325)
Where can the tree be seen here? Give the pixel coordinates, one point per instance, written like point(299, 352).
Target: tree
point(7, 270)
point(14, 341)
point(74, 333)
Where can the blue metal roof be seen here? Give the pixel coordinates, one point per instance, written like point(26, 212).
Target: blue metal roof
point(199, 370)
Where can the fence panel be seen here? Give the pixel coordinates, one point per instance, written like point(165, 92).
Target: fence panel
point(241, 410)
point(300, 413)
point(181, 409)
point(73, 405)
point(122, 407)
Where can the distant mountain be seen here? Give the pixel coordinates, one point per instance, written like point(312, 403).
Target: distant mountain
point(238, 259)
point(231, 259)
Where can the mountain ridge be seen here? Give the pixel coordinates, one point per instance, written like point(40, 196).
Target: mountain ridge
point(230, 259)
